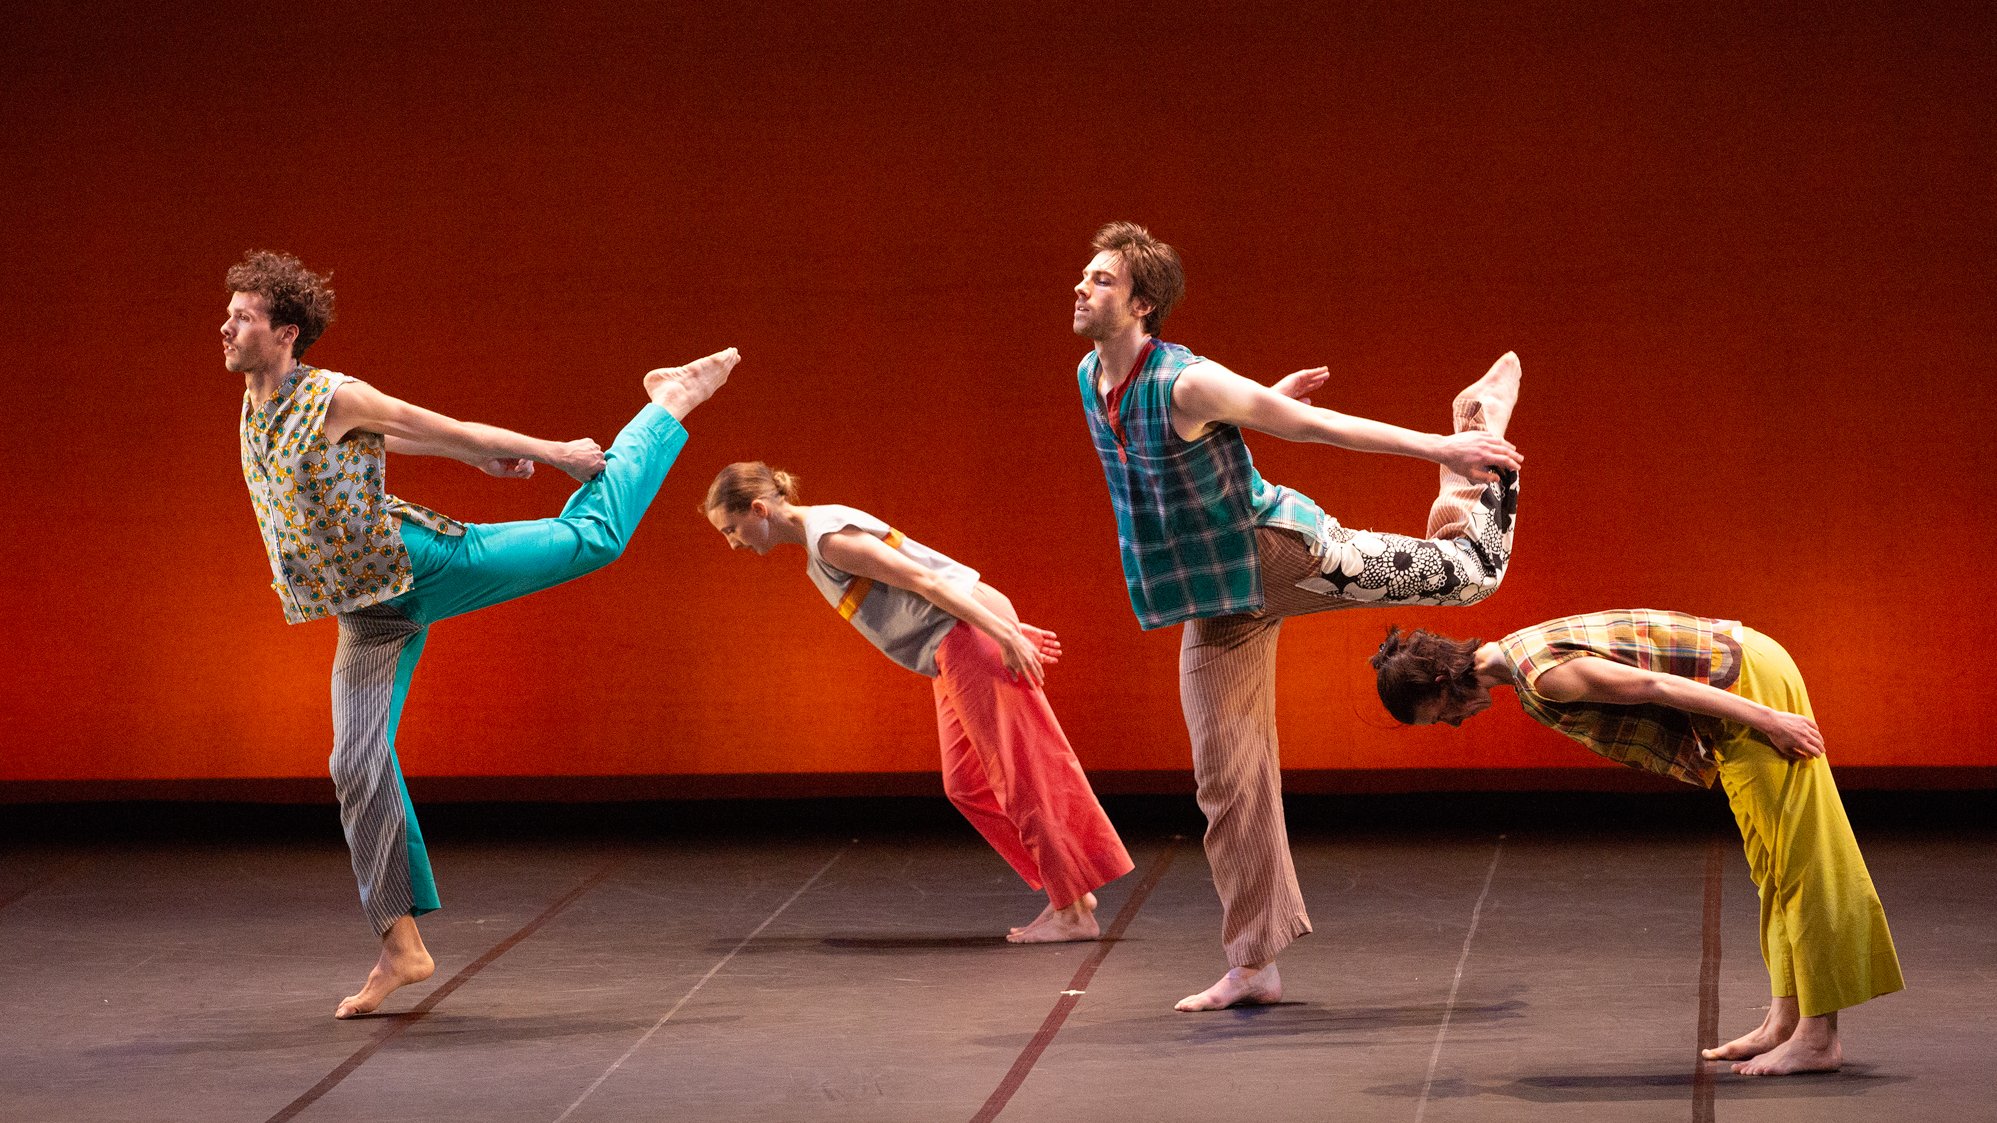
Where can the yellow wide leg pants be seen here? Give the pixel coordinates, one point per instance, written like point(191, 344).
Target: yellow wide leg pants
point(1823, 932)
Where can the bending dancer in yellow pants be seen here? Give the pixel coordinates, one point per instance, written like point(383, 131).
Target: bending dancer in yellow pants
point(1697, 699)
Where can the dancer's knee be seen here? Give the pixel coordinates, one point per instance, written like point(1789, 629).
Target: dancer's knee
point(598, 544)
point(1479, 591)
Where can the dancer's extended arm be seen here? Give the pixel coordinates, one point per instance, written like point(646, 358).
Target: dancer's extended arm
point(413, 430)
point(1619, 684)
point(1207, 392)
point(863, 555)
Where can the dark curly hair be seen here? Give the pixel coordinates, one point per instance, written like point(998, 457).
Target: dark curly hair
point(294, 294)
point(1156, 277)
point(1423, 667)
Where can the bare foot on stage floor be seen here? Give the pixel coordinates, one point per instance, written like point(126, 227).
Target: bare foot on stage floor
point(1814, 1047)
point(677, 390)
point(1772, 1031)
point(1044, 914)
point(404, 960)
point(1059, 926)
point(1242, 986)
point(1499, 391)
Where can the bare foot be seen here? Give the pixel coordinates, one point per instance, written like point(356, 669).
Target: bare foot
point(404, 960)
point(677, 390)
point(1498, 390)
point(1814, 1047)
point(1772, 1031)
point(1059, 926)
point(1044, 914)
point(1088, 899)
point(1242, 986)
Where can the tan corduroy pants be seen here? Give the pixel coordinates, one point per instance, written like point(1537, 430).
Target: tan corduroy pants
point(1227, 679)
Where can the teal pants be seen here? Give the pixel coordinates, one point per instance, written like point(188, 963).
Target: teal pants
point(456, 574)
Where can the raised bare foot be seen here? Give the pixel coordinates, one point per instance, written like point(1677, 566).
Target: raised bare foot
point(677, 390)
point(403, 960)
point(1241, 986)
point(1498, 390)
point(1059, 926)
point(1795, 1055)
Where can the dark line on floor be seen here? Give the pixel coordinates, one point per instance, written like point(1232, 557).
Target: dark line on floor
point(398, 1024)
point(48, 879)
point(1709, 983)
point(1030, 1055)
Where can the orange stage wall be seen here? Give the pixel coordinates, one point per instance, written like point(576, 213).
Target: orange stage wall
point(1747, 258)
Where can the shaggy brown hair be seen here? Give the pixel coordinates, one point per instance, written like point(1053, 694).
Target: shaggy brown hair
point(1423, 667)
point(1156, 277)
point(294, 294)
point(744, 482)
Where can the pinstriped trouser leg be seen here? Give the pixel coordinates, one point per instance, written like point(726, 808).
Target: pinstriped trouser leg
point(1227, 674)
point(1227, 686)
point(378, 648)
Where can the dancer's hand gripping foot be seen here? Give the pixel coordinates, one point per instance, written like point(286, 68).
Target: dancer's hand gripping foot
point(678, 390)
point(1059, 926)
point(1241, 986)
point(404, 960)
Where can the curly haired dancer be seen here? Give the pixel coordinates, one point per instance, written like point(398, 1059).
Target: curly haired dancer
point(313, 452)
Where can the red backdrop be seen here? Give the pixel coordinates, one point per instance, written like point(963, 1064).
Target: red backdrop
point(1747, 260)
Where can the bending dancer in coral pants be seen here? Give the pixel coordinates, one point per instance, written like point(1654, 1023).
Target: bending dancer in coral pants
point(1697, 699)
point(1006, 764)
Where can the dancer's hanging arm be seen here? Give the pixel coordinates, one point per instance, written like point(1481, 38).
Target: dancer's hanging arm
point(1592, 679)
point(415, 431)
point(1207, 393)
point(1024, 647)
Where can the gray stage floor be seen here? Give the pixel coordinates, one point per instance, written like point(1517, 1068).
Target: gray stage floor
point(1474, 960)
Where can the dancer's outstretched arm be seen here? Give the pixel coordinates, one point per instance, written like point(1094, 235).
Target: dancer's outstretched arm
point(1207, 393)
point(864, 555)
point(1619, 684)
point(414, 430)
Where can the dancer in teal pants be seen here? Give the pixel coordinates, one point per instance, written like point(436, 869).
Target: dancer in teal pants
point(314, 445)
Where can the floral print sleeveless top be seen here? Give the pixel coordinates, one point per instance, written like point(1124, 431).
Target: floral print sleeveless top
point(328, 522)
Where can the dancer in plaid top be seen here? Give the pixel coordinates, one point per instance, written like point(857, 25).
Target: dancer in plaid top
point(1206, 541)
point(1698, 700)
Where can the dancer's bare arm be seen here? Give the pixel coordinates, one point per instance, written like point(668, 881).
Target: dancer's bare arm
point(1207, 393)
point(864, 555)
point(413, 430)
point(1592, 679)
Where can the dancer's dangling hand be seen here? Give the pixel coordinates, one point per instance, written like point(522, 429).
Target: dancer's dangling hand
point(1022, 656)
point(1794, 735)
point(1046, 645)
